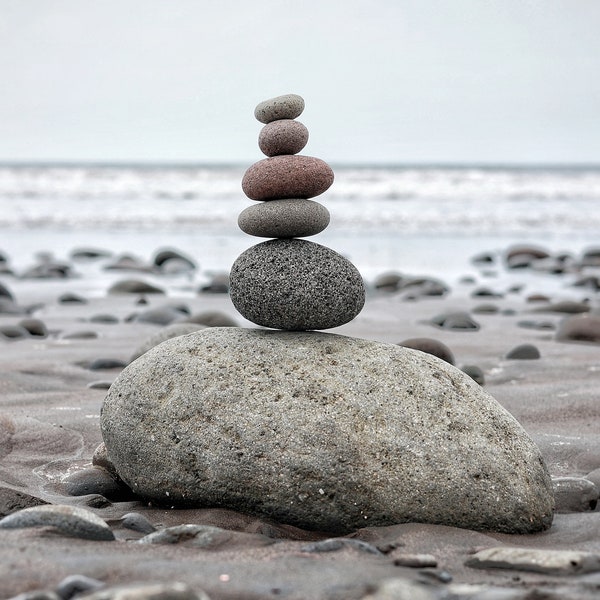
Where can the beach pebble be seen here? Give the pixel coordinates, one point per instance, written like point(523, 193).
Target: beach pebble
point(524, 256)
point(89, 253)
point(212, 318)
point(148, 591)
point(134, 286)
point(594, 477)
point(296, 284)
point(484, 258)
point(524, 352)
point(102, 364)
point(566, 306)
point(167, 256)
point(590, 281)
point(76, 585)
point(475, 373)
point(38, 595)
point(532, 324)
point(35, 327)
point(485, 309)
point(161, 315)
point(13, 332)
point(206, 537)
point(287, 106)
point(550, 562)
point(48, 270)
point(431, 346)
point(80, 335)
point(127, 262)
point(137, 522)
point(99, 385)
point(579, 328)
point(287, 176)
point(575, 494)
point(335, 544)
point(424, 286)
point(275, 394)
point(398, 588)
point(71, 521)
point(485, 292)
point(590, 258)
point(456, 321)
point(71, 298)
point(95, 480)
point(12, 500)
point(218, 284)
point(5, 292)
point(416, 561)
point(101, 459)
point(284, 136)
point(166, 333)
point(284, 218)
point(388, 282)
point(105, 319)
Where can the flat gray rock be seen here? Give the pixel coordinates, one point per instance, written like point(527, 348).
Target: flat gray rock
point(284, 218)
point(287, 106)
point(69, 520)
point(323, 432)
point(287, 176)
point(285, 136)
point(296, 285)
point(551, 562)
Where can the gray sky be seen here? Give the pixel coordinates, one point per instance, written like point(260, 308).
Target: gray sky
point(384, 80)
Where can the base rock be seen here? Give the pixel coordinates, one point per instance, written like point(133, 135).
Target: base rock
point(323, 432)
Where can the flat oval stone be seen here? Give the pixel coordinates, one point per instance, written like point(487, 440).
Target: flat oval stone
point(296, 285)
point(284, 218)
point(288, 106)
point(287, 176)
point(285, 136)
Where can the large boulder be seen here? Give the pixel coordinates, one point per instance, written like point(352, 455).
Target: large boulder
point(323, 432)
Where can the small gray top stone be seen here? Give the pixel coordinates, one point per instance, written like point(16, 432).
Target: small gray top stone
point(288, 106)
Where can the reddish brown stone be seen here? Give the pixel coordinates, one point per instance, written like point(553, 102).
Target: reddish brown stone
point(285, 136)
point(287, 176)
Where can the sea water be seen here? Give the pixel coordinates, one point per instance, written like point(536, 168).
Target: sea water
point(425, 220)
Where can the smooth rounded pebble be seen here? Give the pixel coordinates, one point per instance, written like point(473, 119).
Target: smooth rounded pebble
point(579, 328)
point(524, 352)
point(166, 255)
point(297, 285)
point(72, 521)
point(575, 494)
point(148, 591)
point(457, 321)
point(475, 373)
point(287, 106)
point(289, 218)
point(12, 501)
point(282, 137)
point(95, 480)
point(212, 318)
point(13, 332)
point(281, 177)
point(102, 364)
point(73, 585)
point(218, 284)
point(430, 346)
point(134, 286)
point(166, 333)
point(161, 315)
point(5, 292)
point(36, 327)
point(137, 522)
point(71, 298)
point(323, 432)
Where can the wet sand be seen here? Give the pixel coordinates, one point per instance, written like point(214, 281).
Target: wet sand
point(49, 428)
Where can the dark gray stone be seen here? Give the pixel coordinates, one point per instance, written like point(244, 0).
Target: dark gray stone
point(323, 432)
point(575, 494)
point(475, 373)
point(101, 364)
point(134, 286)
point(12, 501)
point(164, 256)
point(95, 480)
point(296, 285)
point(287, 106)
point(524, 352)
point(457, 321)
point(137, 522)
point(284, 136)
point(430, 346)
point(287, 176)
point(289, 218)
point(69, 520)
point(36, 327)
point(13, 332)
point(74, 585)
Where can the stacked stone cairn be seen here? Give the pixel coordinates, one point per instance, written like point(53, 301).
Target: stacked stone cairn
point(287, 282)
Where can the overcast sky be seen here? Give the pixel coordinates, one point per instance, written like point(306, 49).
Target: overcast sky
point(408, 81)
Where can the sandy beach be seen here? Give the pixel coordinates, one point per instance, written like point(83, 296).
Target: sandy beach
point(49, 430)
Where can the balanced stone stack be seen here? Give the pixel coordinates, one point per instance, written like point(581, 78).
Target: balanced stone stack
point(290, 283)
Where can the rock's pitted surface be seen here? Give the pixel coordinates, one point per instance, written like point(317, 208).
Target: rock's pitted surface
point(287, 176)
point(321, 431)
point(284, 218)
point(282, 137)
point(288, 106)
point(296, 285)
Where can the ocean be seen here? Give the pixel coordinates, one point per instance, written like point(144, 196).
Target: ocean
point(425, 220)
